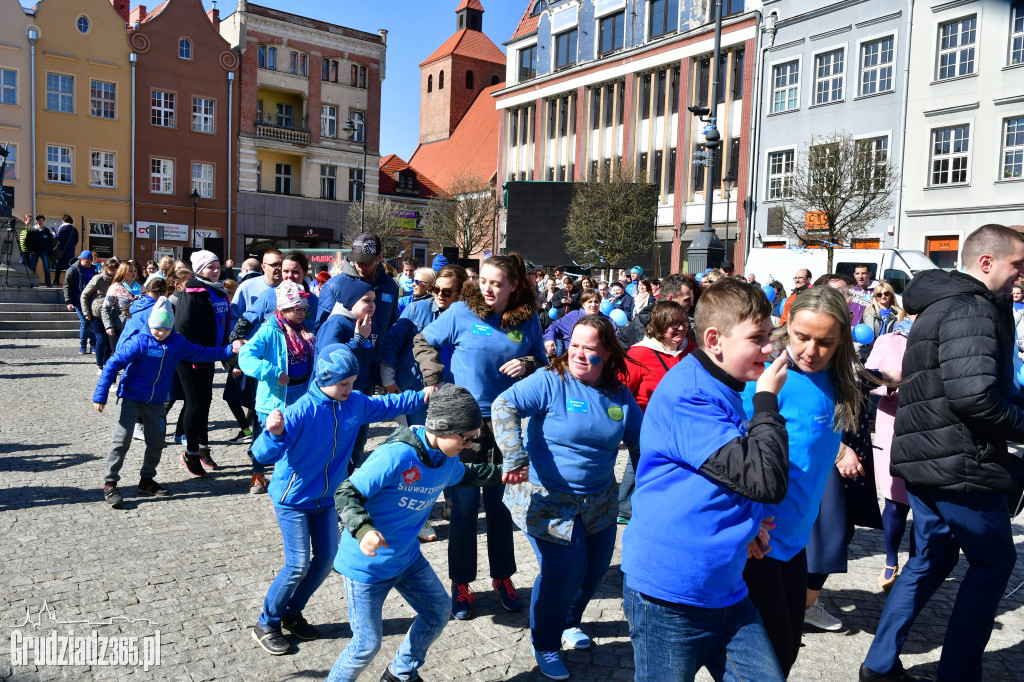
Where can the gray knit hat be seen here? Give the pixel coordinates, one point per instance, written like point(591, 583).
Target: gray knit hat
point(452, 409)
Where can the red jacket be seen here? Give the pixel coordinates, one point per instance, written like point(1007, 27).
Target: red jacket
point(649, 368)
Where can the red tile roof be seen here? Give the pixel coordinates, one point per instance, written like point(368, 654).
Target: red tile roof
point(392, 164)
point(466, 43)
point(527, 24)
point(469, 4)
point(472, 147)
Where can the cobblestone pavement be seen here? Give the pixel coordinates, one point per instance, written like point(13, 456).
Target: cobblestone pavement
point(197, 565)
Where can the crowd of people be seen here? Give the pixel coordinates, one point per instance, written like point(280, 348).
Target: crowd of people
point(758, 423)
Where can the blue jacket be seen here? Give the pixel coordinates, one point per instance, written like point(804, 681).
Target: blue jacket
point(341, 329)
point(138, 320)
point(563, 326)
point(149, 366)
point(384, 287)
point(396, 349)
point(625, 304)
point(263, 308)
point(312, 454)
point(264, 357)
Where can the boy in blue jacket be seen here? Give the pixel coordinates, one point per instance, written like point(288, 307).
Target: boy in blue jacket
point(149, 361)
point(703, 476)
point(383, 506)
point(311, 443)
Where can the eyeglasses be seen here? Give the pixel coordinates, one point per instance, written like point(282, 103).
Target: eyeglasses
point(679, 324)
point(443, 293)
point(274, 266)
point(418, 281)
point(881, 294)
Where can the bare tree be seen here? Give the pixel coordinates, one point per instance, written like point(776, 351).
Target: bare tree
point(612, 218)
point(838, 189)
point(381, 219)
point(463, 215)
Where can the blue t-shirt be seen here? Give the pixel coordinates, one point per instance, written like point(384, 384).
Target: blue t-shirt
point(687, 539)
point(481, 347)
point(808, 404)
point(400, 492)
point(574, 431)
point(245, 295)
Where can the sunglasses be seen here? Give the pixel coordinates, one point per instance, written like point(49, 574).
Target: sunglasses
point(886, 294)
point(443, 293)
point(274, 266)
point(418, 281)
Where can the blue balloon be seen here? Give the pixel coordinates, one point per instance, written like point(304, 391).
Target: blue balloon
point(553, 313)
point(1020, 375)
point(607, 307)
point(619, 317)
point(863, 334)
point(769, 291)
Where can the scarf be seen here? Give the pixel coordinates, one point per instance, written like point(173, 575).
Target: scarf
point(212, 285)
point(299, 340)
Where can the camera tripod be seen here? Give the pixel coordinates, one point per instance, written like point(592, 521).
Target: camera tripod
point(7, 250)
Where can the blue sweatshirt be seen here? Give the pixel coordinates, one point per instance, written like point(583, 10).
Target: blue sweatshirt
point(138, 320)
point(574, 431)
point(245, 295)
point(563, 326)
point(481, 346)
point(807, 402)
point(396, 348)
point(400, 492)
point(341, 329)
point(687, 539)
point(312, 454)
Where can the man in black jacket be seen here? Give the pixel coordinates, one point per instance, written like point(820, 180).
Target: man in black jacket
point(957, 408)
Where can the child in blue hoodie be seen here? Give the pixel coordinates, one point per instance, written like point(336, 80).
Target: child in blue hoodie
point(149, 361)
point(311, 443)
point(702, 479)
point(383, 506)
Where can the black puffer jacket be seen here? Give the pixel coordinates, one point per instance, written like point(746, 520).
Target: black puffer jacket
point(958, 405)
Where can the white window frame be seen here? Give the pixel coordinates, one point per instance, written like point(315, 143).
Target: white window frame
point(202, 178)
point(795, 97)
point(861, 69)
point(102, 169)
point(204, 115)
point(269, 56)
point(881, 134)
point(184, 48)
point(829, 80)
point(162, 174)
point(1016, 43)
point(163, 110)
point(950, 155)
point(60, 158)
point(63, 98)
point(328, 120)
point(775, 177)
point(280, 176)
point(358, 119)
point(328, 180)
point(1016, 149)
point(959, 49)
point(11, 170)
point(101, 103)
point(12, 89)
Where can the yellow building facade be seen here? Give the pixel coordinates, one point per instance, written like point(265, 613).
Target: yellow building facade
point(15, 108)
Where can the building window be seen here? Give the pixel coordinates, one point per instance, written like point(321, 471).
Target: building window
point(1017, 33)
point(102, 99)
point(440, 81)
point(785, 87)
point(203, 115)
point(259, 111)
point(355, 184)
point(873, 155)
point(329, 70)
point(101, 238)
point(83, 24)
point(8, 86)
point(1013, 149)
point(328, 182)
point(950, 149)
point(328, 121)
point(161, 176)
point(664, 17)
point(671, 171)
point(612, 32)
point(202, 179)
point(645, 96)
point(527, 60)
point(102, 169)
point(282, 178)
point(60, 93)
point(469, 80)
point(956, 47)
point(780, 175)
point(700, 172)
point(298, 64)
point(876, 60)
point(285, 115)
point(58, 164)
point(703, 81)
point(430, 83)
point(358, 119)
point(267, 57)
point(163, 109)
point(185, 49)
point(359, 76)
point(738, 59)
point(565, 48)
point(11, 169)
point(828, 76)
point(538, 7)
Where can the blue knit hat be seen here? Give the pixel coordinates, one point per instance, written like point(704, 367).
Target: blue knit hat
point(351, 290)
point(335, 363)
point(438, 263)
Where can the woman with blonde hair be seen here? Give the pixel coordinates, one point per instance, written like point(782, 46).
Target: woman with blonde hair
point(120, 295)
point(883, 314)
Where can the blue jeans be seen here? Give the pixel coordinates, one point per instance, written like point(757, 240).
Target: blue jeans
point(568, 579)
point(671, 642)
point(310, 544)
point(462, 534)
point(100, 345)
point(944, 524)
point(420, 587)
point(33, 261)
point(84, 336)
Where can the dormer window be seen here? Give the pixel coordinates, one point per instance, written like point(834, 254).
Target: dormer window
point(406, 180)
point(539, 7)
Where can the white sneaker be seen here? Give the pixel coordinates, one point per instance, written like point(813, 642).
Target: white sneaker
point(138, 434)
point(817, 616)
point(427, 533)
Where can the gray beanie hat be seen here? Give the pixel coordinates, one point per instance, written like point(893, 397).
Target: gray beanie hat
point(452, 409)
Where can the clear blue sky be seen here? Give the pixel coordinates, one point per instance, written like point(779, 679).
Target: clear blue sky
point(415, 29)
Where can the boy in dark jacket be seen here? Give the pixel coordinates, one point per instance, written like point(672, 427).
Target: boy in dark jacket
point(148, 361)
point(77, 276)
point(383, 506)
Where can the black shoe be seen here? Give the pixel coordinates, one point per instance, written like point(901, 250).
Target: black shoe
point(147, 486)
point(298, 626)
point(243, 436)
point(112, 496)
point(207, 460)
point(272, 640)
point(192, 465)
point(388, 676)
point(869, 675)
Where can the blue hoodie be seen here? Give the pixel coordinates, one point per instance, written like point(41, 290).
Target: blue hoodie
point(138, 320)
point(149, 366)
point(340, 328)
point(396, 349)
point(312, 454)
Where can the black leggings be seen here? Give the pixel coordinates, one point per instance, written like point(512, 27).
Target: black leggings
point(197, 382)
point(779, 591)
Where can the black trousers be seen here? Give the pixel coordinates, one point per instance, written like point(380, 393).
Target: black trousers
point(779, 591)
point(197, 382)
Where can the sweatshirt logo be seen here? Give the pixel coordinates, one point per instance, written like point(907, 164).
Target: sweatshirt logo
point(515, 336)
point(410, 476)
point(615, 412)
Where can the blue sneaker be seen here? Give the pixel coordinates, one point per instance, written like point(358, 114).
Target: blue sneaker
point(550, 664)
point(507, 594)
point(179, 439)
point(576, 638)
point(462, 601)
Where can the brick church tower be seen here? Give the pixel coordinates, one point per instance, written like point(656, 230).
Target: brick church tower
point(453, 76)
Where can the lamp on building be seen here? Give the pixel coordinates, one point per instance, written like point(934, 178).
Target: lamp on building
point(351, 128)
point(195, 206)
point(728, 184)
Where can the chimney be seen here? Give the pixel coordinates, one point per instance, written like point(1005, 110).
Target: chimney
point(214, 17)
point(122, 8)
point(137, 15)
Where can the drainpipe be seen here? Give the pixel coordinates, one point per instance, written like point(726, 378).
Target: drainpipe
point(133, 58)
point(755, 137)
point(32, 37)
point(230, 167)
point(903, 141)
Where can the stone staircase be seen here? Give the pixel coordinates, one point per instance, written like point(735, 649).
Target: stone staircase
point(35, 313)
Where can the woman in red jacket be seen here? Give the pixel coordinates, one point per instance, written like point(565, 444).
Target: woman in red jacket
point(664, 345)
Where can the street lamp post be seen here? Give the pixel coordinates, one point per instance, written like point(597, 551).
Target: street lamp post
point(728, 183)
point(350, 128)
point(195, 206)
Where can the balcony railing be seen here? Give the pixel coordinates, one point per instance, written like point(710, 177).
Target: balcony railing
point(272, 130)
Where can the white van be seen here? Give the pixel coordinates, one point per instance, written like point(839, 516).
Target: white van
point(896, 266)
